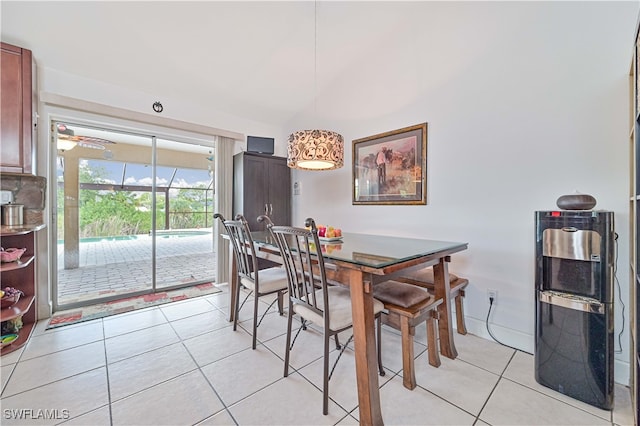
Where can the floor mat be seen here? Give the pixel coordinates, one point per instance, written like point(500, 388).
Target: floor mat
point(88, 313)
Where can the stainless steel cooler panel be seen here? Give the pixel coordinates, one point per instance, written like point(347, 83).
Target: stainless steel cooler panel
point(571, 301)
point(571, 243)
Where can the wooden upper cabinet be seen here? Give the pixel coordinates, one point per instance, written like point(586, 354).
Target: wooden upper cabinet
point(16, 97)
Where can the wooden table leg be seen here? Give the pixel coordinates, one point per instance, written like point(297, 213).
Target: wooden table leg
point(408, 371)
point(233, 282)
point(432, 341)
point(365, 350)
point(443, 291)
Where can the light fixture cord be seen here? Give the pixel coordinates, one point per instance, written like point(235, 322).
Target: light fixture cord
point(315, 59)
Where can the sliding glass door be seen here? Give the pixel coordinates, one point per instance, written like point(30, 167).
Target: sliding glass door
point(184, 227)
point(134, 214)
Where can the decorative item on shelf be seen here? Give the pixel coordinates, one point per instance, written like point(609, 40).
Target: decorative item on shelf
point(7, 339)
point(9, 301)
point(11, 254)
point(576, 201)
point(14, 325)
point(315, 149)
point(10, 297)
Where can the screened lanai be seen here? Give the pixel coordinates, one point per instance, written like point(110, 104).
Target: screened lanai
point(134, 214)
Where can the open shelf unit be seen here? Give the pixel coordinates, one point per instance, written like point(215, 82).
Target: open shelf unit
point(21, 275)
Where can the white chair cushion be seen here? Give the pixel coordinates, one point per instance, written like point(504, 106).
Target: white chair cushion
point(339, 308)
point(271, 280)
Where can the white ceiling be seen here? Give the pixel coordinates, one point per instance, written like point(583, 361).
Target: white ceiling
point(252, 59)
point(256, 59)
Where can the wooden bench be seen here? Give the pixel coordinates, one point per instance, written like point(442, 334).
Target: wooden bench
point(424, 278)
point(406, 307)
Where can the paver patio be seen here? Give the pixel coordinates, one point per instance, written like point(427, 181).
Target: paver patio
point(113, 266)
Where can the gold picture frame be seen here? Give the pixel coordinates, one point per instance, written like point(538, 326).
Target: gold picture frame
point(391, 167)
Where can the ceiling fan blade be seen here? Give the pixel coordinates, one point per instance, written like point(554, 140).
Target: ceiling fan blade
point(91, 139)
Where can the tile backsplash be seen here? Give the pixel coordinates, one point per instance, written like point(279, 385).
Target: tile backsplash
point(28, 190)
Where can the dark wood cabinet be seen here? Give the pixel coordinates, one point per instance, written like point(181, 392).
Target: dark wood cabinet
point(261, 185)
point(18, 121)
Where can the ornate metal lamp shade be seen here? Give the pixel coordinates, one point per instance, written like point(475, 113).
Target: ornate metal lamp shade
point(315, 150)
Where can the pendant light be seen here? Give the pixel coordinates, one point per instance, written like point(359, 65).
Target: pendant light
point(315, 149)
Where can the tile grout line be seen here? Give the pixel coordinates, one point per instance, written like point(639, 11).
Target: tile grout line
point(199, 368)
point(494, 387)
point(561, 401)
point(55, 381)
point(106, 367)
point(103, 340)
point(294, 370)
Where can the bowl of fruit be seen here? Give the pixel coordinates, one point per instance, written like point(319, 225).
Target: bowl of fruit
point(9, 297)
point(329, 233)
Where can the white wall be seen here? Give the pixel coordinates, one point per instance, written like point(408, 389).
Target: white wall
point(55, 82)
point(530, 103)
point(62, 83)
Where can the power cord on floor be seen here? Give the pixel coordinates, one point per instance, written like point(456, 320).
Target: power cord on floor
point(494, 337)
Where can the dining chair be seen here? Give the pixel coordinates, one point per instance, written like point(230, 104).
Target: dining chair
point(312, 297)
point(259, 282)
point(424, 278)
point(407, 306)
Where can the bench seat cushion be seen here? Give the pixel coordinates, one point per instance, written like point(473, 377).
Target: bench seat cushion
point(426, 275)
point(400, 294)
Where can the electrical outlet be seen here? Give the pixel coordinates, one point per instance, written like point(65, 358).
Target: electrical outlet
point(6, 197)
point(492, 294)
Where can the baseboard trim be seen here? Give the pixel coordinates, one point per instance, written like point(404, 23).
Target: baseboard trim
point(516, 339)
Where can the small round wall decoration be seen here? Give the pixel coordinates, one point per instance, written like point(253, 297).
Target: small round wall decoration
point(157, 107)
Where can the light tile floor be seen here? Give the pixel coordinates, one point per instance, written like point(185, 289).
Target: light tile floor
point(182, 364)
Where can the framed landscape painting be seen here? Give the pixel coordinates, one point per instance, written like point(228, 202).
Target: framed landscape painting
point(391, 168)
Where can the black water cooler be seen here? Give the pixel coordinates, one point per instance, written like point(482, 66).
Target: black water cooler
point(574, 304)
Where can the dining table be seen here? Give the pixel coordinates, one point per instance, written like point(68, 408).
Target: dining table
point(361, 261)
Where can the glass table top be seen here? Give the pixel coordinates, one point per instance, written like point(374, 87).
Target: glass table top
point(373, 250)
